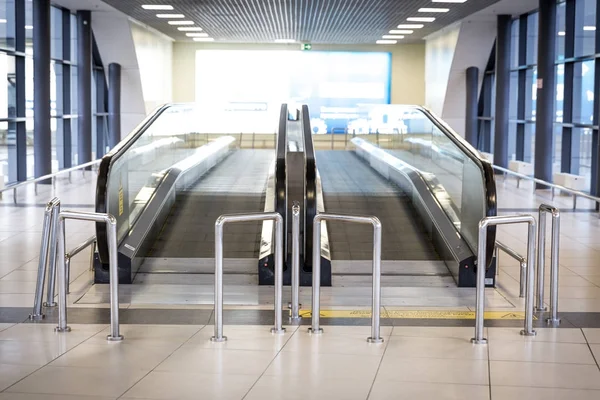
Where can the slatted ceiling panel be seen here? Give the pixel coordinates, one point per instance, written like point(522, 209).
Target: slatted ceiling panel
point(314, 21)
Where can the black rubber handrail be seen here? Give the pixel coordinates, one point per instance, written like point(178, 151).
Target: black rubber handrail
point(487, 172)
point(280, 172)
point(310, 195)
point(104, 171)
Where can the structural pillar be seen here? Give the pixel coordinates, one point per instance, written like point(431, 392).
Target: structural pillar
point(84, 86)
point(42, 139)
point(471, 125)
point(502, 90)
point(546, 87)
point(114, 104)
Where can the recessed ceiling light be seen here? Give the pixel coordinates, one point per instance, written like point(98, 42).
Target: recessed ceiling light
point(201, 34)
point(561, 33)
point(170, 16)
point(589, 28)
point(410, 26)
point(386, 42)
point(400, 32)
point(190, 28)
point(285, 41)
point(433, 10)
point(448, 1)
point(421, 19)
point(3, 21)
point(203, 39)
point(181, 22)
point(392, 37)
point(156, 7)
point(28, 27)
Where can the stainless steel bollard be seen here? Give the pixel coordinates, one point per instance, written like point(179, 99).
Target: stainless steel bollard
point(219, 224)
point(554, 259)
point(37, 314)
point(541, 254)
point(376, 289)
point(295, 306)
point(62, 272)
point(481, 257)
point(52, 258)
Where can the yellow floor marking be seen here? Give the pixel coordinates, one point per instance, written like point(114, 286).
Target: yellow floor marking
point(416, 314)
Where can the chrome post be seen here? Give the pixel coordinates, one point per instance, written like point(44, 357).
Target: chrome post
point(15, 195)
point(376, 300)
point(480, 286)
point(113, 259)
point(497, 258)
point(541, 262)
point(93, 251)
point(52, 257)
point(528, 328)
point(554, 261)
point(61, 270)
point(37, 314)
point(522, 278)
point(218, 290)
point(315, 329)
point(574, 201)
point(68, 272)
point(295, 306)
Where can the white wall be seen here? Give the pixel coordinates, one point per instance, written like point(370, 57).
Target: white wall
point(408, 66)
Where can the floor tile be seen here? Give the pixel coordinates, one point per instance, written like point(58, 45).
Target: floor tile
point(152, 335)
point(562, 335)
point(562, 353)
point(240, 337)
point(11, 374)
point(46, 333)
point(392, 390)
point(303, 342)
point(29, 396)
point(414, 347)
point(308, 387)
point(567, 376)
point(327, 366)
point(592, 335)
point(79, 381)
point(31, 353)
point(511, 393)
point(114, 355)
point(185, 385)
point(432, 331)
point(217, 361)
point(434, 370)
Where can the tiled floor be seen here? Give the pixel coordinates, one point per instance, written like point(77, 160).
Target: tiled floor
point(414, 362)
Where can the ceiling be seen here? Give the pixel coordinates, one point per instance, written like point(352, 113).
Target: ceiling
point(309, 21)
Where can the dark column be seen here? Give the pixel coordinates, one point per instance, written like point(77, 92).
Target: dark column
point(41, 88)
point(20, 128)
point(545, 92)
point(502, 91)
point(472, 106)
point(114, 104)
point(84, 86)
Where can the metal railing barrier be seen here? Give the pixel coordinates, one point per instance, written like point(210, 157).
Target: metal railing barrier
point(219, 225)
point(522, 265)
point(554, 264)
point(481, 250)
point(111, 223)
point(316, 283)
point(47, 257)
point(295, 304)
point(89, 242)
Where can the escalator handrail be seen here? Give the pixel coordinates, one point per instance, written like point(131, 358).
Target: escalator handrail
point(104, 172)
point(486, 169)
point(310, 195)
point(280, 165)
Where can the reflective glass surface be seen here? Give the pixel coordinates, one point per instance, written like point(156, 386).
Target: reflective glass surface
point(585, 27)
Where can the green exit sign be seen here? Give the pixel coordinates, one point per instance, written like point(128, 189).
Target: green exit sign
point(306, 46)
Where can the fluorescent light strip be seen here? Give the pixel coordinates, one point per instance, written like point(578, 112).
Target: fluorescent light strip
point(448, 1)
point(181, 22)
point(201, 34)
point(203, 39)
point(433, 10)
point(3, 21)
point(156, 7)
point(285, 41)
point(29, 27)
point(386, 42)
point(189, 29)
point(170, 16)
point(589, 28)
point(400, 32)
point(562, 33)
point(392, 37)
point(410, 26)
point(421, 19)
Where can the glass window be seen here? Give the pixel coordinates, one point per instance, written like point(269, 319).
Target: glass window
point(512, 140)
point(583, 92)
point(29, 26)
point(73, 38)
point(557, 147)
point(74, 106)
point(514, 44)
point(560, 93)
point(585, 27)
point(514, 93)
point(530, 93)
point(7, 24)
point(560, 31)
point(529, 143)
point(532, 38)
point(56, 33)
point(8, 155)
point(582, 157)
